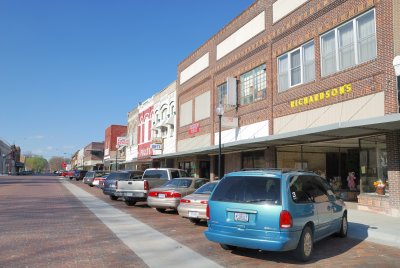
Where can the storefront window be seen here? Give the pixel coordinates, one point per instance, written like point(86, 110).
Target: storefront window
point(253, 159)
point(373, 163)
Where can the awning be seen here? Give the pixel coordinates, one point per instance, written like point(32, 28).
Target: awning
point(337, 131)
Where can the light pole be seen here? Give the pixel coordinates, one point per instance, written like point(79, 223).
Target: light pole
point(220, 112)
point(116, 159)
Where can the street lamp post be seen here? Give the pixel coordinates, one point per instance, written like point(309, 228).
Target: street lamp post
point(116, 158)
point(220, 112)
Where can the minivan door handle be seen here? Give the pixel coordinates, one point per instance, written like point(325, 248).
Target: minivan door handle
point(130, 182)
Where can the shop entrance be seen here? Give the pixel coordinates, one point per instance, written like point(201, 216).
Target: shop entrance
point(204, 169)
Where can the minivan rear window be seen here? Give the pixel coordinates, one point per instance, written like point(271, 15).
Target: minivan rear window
point(243, 189)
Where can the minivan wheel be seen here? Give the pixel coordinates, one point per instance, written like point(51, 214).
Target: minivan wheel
point(304, 249)
point(227, 247)
point(113, 197)
point(343, 227)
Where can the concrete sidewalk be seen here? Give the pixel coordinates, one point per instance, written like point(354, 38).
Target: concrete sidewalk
point(373, 227)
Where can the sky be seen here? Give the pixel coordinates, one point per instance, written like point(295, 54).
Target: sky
point(71, 68)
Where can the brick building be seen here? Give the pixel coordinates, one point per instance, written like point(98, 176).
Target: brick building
point(303, 84)
point(111, 157)
point(94, 156)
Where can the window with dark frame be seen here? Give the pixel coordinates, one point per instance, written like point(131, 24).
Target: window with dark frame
point(253, 85)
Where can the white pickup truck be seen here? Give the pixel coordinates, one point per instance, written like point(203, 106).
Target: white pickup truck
point(135, 190)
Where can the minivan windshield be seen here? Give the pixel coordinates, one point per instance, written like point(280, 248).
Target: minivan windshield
point(248, 189)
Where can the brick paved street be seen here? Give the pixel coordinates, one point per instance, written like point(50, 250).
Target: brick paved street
point(44, 225)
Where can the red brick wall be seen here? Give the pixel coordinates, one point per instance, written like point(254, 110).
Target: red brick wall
point(112, 132)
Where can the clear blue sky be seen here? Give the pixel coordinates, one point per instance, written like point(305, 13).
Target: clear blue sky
point(71, 68)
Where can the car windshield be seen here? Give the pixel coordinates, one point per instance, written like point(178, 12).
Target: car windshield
point(155, 174)
point(90, 174)
point(118, 176)
point(178, 183)
point(248, 189)
point(206, 188)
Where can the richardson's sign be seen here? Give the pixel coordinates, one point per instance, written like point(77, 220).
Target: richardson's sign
point(194, 128)
point(325, 95)
point(144, 150)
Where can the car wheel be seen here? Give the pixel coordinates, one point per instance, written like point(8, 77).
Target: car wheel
point(343, 227)
point(113, 197)
point(304, 249)
point(162, 210)
point(195, 220)
point(130, 202)
point(227, 247)
point(70, 178)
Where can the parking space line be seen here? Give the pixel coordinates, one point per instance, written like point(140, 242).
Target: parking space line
point(153, 247)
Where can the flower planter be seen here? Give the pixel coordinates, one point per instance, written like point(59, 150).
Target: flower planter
point(380, 190)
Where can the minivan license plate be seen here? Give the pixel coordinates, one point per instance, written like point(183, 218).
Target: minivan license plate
point(243, 217)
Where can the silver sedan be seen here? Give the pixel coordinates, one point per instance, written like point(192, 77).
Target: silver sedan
point(194, 206)
point(168, 195)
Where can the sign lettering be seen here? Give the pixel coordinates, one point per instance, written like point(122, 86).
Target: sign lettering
point(334, 92)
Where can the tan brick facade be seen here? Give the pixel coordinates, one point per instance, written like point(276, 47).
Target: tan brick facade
point(306, 23)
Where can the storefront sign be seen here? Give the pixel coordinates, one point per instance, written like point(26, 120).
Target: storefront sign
point(331, 93)
point(194, 128)
point(122, 141)
point(156, 146)
point(158, 140)
point(144, 150)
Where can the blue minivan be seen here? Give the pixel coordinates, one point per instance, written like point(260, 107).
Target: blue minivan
point(274, 210)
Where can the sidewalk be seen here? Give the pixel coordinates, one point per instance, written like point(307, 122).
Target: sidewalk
point(373, 227)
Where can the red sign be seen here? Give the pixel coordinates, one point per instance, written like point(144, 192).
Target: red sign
point(144, 150)
point(194, 128)
point(64, 165)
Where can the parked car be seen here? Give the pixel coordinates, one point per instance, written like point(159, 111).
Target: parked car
point(99, 181)
point(194, 206)
point(79, 174)
point(275, 211)
point(90, 175)
point(136, 189)
point(168, 195)
point(70, 174)
point(110, 184)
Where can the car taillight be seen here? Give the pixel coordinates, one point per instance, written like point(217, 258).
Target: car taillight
point(208, 212)
point(185, 200)
point(153, 194)
point(175, 195)
point(285, 220)
point(146, 185)
point(205, 202)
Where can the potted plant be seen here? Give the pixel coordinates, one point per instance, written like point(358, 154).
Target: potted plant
point(379, 187)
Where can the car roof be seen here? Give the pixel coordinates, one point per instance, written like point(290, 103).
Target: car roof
point(273, 172)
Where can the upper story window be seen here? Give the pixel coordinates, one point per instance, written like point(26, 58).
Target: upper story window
point(253, 85)
point(351, 43)
point(222, 91)
point(296, 67)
